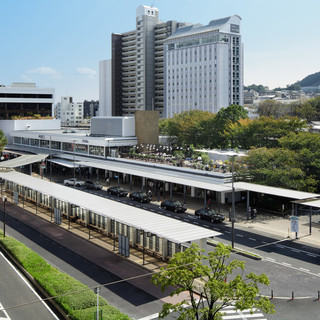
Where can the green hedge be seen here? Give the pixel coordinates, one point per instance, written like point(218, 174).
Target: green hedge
point(81, 305)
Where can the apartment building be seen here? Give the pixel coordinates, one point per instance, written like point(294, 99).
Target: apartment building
point(137, 64)
point(23, 99)
point(70, 113)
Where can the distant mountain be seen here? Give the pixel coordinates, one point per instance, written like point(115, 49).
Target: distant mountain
point(312, 80)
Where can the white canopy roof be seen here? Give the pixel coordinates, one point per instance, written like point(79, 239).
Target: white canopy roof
point(287, 193)
point(162, 226)
point(23, 160)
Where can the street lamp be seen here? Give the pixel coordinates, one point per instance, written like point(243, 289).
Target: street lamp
point(4, 199)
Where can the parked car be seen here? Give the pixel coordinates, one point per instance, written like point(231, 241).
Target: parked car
point(73, 181)
point(173, 205)
point(140, 196)
point(92, 185)
point(117, 191)
point(209, 214)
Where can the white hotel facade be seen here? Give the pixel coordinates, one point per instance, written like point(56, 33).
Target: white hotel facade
point(204, 67)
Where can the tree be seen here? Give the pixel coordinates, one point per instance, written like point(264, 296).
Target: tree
point(3, 140)
point(265, 131)
point(272, 108)
point(219, 287)
point(276, 167)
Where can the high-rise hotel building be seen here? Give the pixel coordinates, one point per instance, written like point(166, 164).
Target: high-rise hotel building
point(204, 67)
point(172, 67)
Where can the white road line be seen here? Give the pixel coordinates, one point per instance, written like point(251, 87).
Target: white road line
point(196, 222)
point(286, 264)
point(186, 220)
point(227, 232)
point(264, 242)
point(270, 259)
point(239, 235)
point(303, 269)
point(216, 229)
point(279, 246)
point(5, 313)
point(151, 209)
point(152, 316)
point(25, 281)
point(252, 239)
point(205, 225)
point(177, 217)
point(312, 255)
point(295, 250)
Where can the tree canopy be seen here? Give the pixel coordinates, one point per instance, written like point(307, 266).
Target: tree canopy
point(3, 140)
point(220, 288)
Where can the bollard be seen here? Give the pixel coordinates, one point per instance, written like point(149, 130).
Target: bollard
point(292, 298)
point(271, 294)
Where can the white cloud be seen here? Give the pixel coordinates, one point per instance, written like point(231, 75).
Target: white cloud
point(87, 72)
point(45, 71)
point(26, 78)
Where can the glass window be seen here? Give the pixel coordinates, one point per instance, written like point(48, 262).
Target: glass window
point(81, 148)
point(34, 142)
point(44, 143)
point(25, 141)
point(17, 140)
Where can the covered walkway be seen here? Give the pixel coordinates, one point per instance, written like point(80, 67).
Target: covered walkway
point(130, 226)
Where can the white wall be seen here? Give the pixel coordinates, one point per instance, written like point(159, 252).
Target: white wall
point(9, 126)
point(105, 88)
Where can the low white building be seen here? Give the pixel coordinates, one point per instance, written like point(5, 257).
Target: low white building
point(70, 113)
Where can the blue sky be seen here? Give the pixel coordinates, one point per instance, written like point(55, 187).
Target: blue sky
point(59, 43)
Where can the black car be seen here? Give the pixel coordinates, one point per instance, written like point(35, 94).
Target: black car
point(209, 214)
point(92, 185)
point(140, 196)
point(117, 191)
point(173, 205)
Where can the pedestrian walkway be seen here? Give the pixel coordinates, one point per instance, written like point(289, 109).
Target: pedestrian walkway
point(230, 313)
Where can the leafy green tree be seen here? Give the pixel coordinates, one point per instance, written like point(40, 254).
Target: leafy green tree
point(220, 288)
point(265, 131)
point(276, 167)
point(272, 108)
point(3, 140)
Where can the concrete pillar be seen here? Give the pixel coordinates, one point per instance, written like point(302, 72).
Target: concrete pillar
point(87, 217)
point(133, 236)
point(69, 210)
point(130, 182)
point(248, 204)
point(164, 248)
point(108, 226)
point(193, 192)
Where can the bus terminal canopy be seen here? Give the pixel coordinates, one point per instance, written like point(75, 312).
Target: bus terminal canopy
point(23, 160)
point(286, 193)
point(161, 226)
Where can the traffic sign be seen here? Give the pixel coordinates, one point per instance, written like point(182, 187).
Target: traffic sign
point(294, 223)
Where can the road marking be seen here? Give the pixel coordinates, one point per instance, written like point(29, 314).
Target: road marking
point(270, 259)
point(196, 222)
point(295, 250)
point(312, 255)
point(177, 217)
point(227, 232)
point(303, 269)
point(264, 242)
point(205, 225)
point(29, 286)
point(167, 214)
point(5, 313)
point(252, 239)
point(186, 220)
point(239, 235)
point(286, 264)
point(279, 246)
point(232, 313)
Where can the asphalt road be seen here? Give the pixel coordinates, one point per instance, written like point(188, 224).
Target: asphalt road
point(22, 301)
point(289, 265)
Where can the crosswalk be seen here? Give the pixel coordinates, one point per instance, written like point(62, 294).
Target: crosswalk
point(3, 314)
point(230, 313)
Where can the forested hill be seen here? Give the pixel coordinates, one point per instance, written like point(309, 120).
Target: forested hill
point(311, 80)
